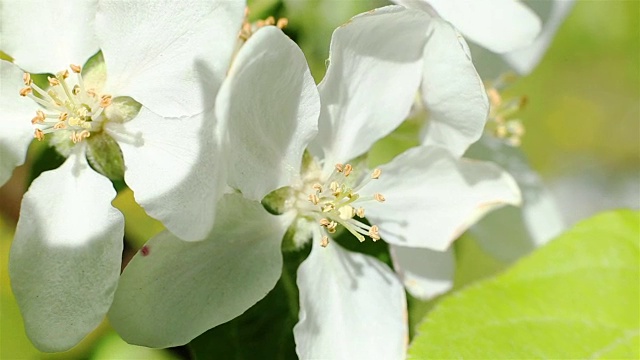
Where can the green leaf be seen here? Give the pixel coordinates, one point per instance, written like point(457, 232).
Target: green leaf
point(577, 297)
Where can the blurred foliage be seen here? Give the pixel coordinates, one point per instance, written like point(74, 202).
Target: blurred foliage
point(583, 109)
point(549, 305)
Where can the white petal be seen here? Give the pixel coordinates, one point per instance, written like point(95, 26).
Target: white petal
point(452, 91)
point(172, 167)
point(433, 197)
point(511, 232)
point(172, 290)
point(498, 25)
point(17, 111)
point(65, 257)
point(352, 306)
point(269, 105)
point(375, 66)
point(169, 55)
point(425, 273)
point(525, 59)
point(46, 36)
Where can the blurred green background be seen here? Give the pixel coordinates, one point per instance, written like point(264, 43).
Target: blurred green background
point(582, 121)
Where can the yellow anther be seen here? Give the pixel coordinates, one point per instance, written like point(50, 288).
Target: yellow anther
point(314, 199)
point(379, 197)
point(325, 241)
point(76, 137)
point(60, 125)
point(105, 100)
point(347, 169)
point(270, 21)
point(53, 81)
point(25, 91)
point(282, 23)
point(339, 167)
point(26, 77)
point(376, 173)
point(39, 118)
point(317, 187)
point(374, 233)
point(75, 68)
point(360, 212)
point(76, 90)
point(63, 116)
point(63, 74)
point(328, 207)
point(91, 92)
point(38, 134)
point(334, 186)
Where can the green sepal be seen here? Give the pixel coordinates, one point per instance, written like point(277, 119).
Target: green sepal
point(275, 202)
point(105, 156)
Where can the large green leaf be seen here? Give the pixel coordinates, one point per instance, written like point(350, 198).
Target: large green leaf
point(577, 297)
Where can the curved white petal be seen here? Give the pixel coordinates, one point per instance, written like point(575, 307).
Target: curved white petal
point(432, 197)
point(269, 106)
point(171, 56)
point(172, 166)
point(425, 273)
point(498, 25)
point(17, 111)
point(46, 36)
point(375, 66)
point(352, 306)
point(452, 91)
point(172, 290)
point(65, 257)
point(525, 59)
point(510, 233)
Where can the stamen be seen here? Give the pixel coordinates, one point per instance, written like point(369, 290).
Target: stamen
point(374, 233)
point(379, 197)
point(53, 81)
point(38, 134)
point(324, 242)
point(105, 101)
point(75, 68)
point(376, 174)
point(282, 23)
point(347, 170)
point(25, 91)
point(26, 77)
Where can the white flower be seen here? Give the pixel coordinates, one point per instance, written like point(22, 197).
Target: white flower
point(173, 291)
point(507, 27)
point(149, 98)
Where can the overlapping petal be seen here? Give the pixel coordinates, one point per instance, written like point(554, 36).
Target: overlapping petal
point(46, 36)
point(269, 106)
point(374, 72)
point(432, 197)
point(425, 273)
point(17, 111)
point(525, 59)
point(498, 25)
point(180, 49)
point(66, 254)
point(352, 306)
point(172, 290)
point(510, 233)
point(171, 165)
point(452, 91)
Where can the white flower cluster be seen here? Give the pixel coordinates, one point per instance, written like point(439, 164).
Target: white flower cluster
point(211, 120)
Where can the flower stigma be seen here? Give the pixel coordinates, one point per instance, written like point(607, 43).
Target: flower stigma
point(339, 201)
point(66, 107)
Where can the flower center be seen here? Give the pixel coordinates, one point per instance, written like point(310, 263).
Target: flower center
point(68, 108)
point(501, 122)
point(338, 201)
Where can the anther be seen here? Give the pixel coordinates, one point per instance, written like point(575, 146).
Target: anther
point(60, 125)
point(25, 91)
point(376, 174)
point(75, 68)
point(374, 233)
point(38, 134)
point(314, 199)
point(347, 169)
point(63, 74)
point(339, 167)
point(105, 101)
point(53, 81)
point(63, 116)
point(27, 79)
point(282, 23)
point(328, 207)
point(325, 241)
point(379, 197)
point(360, 212)
point(39, 118)
point(317, 187)
point(270, 21)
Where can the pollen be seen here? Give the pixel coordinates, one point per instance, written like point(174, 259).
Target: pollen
point(66, 107)
point(339, 202)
